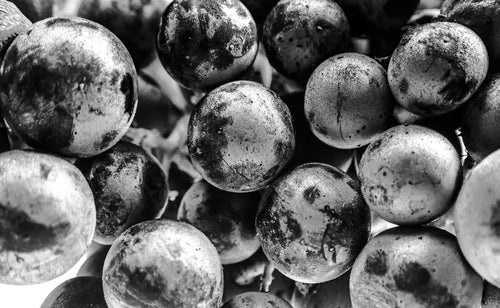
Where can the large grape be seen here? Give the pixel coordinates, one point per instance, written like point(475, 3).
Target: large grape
point(313, 222)
point(162, 263)
point(47, 217)
point(62, 94)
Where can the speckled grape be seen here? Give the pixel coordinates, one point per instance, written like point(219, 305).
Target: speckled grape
point(47, 217)
point(129, 186)
point(62, 94)
point(162, 263)
point(206, 43)
point(313, 222)
point(300, 34)
point(348, 102)
point(240, 136)
point(437, 67)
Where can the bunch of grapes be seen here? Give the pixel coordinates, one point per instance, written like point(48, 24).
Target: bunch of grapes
point(251, 153)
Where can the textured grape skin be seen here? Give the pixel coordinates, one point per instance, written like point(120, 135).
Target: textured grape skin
point(219, 35)
point(240, 136)
point(163, 263)
point(129, 186)
point(227, 219)
point(361, 103)
point(60, 94)
point(414, 267)
point(437, 67)
point(47, 217)
point(78, 292)
point(312, 223)
point(256, 299)
point(410, 175)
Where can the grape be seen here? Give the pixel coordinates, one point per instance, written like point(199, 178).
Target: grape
point(437, 67)
point(227, 219)
point(205, 43)
point(477, 218)
point(12, 23)
point(313, 222)
point(480, 16)
point(63, 95)
point(162, 263)
point(256, 299)
point(240, 136)
point(300, 34)
point(134, 22)
point(79, 292)
point(348, 101)
point(129, 186)
point(47, 217)
point(480, 129)
point(414, 267)
point(410, 174)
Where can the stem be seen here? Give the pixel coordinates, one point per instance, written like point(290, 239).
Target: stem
point(267, 278)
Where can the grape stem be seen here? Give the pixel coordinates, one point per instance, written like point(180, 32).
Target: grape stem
point(172, 149)
point(267, 278)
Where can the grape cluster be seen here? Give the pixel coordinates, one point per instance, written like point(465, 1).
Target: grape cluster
point(251, 153)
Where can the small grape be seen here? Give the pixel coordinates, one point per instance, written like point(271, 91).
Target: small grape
point(348, 102)
point(227, 219)
point(129, 186)
point(300, 34)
